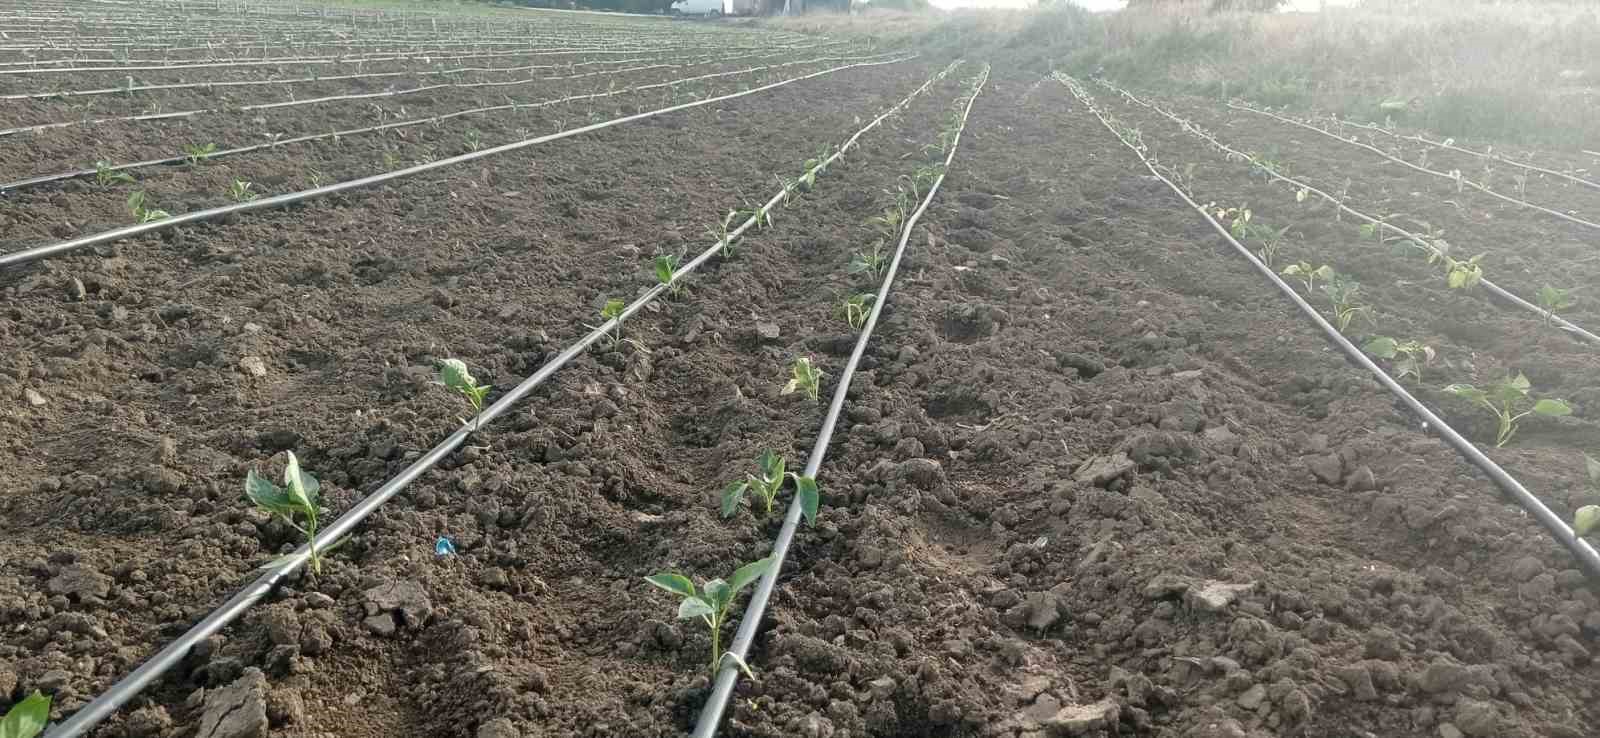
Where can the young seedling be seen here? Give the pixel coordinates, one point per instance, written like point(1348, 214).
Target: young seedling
point(105, 176)
point(613, 311)
point(710, 603)
point(870, 261)
point(766, 485)
point(666, 268)
point(142, 214)
point(197, 153)
point(242, 191)
point(1344, 294)
point(855, 308)
point(1409, 357)
point(889, 223)
point(299, 497)
point(1463, 274)
point(1271, 240)
point(1587, 518)
point(1308, 275)
point(1553, 299)
point(27, 718)
point(453, 374)
point(1510, 402)
point(472, 139)
point(804, 378)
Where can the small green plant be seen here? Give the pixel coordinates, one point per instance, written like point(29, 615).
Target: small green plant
point(855, 308)
point(1271, 240)
point(710, 602)
point(27, 718)
point(472, 139)
point(1553, 299)
point(142, 214)
point(299, 497)
point(1308, 275)
point(804, 377)
point(242, 191)
point(1510, 401)
point(196, 153)
point(870, 261)
point(1409, 357)
point(454, 375)
point(766, 485)
point(1586, 518)
point(889, 223)
point(1462, 274)
point(613, 311)
point(666, 269)
point(105, 176)
point(317, 177)
point(1344, 294)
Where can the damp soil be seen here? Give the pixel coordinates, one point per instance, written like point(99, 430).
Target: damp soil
point(1094, 477)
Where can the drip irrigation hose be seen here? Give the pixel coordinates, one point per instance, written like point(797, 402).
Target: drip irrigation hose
point(1446, 145)
point(90, 715)
point(530, 51)
point(290, 198)
point(1416, 240)
point(750, 621)
point(1558, 529)
point(1445, 175)
point(433, 119)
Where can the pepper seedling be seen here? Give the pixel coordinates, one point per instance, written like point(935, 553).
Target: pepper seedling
point(136, 207)
point(242, 191)
point(666, 268)
point(298, 497)
point(196, 153)
point(1553, 299)
point(1344, 294)
point(804, 378)
point(1463, 274)
point(105, 176)
point(27, 718)
point(710, 603)
point(1308, 275)
point(1510, 402)
point(453, 374)
point(766, 485)
point(870, 261)
point(1409, 357)
point(855, 308)
point(613, 311)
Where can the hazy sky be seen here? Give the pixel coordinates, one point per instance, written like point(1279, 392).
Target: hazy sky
point(1106, 4)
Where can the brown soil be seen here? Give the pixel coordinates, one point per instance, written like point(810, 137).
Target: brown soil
point(1059, 313)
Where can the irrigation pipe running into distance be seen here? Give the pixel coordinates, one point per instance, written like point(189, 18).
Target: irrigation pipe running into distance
point(390, 93)
point(1414, 239)
point(433, 119)
point(750, 621)
point(289, 198)
point(86, 718)
point(1455, 177)
point(1586, 555)
point(1449, 144)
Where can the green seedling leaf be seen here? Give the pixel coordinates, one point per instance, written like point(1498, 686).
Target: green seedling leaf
point(302, 487)
point(732, 495)
point(694, 607)
point(1382, 347)
point(1552, 408)
point(804, 378)
point(613, 309)
point(27, 718)
point(810, 497)
point(1468, 392)
point(717, 592)
point(1586, 519)
point(268, 496)
point(677, 584)
point(746, 575)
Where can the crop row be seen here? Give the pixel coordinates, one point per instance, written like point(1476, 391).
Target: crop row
point(1509, 401)
point(106, 176)
point(1457, 273)
point(296, 498)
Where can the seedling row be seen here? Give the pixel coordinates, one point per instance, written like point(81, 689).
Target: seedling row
point(1494, 402)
